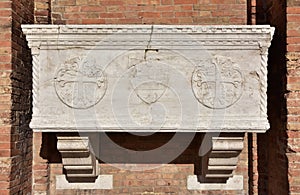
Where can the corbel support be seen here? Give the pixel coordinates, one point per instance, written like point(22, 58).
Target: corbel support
point(220, 162)
point(79, 161)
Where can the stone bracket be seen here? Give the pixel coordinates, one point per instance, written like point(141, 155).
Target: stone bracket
point(79, 161)
point(220, 162)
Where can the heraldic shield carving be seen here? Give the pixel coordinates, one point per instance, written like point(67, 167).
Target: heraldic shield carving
point(80, 84)
point(149, 80)
point(217, 84)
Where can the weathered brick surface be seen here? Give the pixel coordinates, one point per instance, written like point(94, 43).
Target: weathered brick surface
point(42, 11)
point(5, 96)
point(269, 163)
point(15, 102)
point(293, 95)
point(274, 159)
point(148, 12)
point(293, 105)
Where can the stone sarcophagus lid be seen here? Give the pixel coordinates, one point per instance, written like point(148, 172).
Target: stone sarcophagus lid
point(151, 78)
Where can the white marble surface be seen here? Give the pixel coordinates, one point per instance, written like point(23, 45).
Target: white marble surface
point(102, 182)
point(233, 183)
point(149, 78)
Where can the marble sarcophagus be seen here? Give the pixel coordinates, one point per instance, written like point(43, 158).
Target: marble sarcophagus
point(150, 78)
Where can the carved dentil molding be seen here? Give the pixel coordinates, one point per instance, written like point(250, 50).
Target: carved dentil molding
point(133, 35)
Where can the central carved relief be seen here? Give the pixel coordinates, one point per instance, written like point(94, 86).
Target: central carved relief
point(149, 80)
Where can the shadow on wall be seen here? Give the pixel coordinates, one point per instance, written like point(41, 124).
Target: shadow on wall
point(272, 146)
point(128, 148)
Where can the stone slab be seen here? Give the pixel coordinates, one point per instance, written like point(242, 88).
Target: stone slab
point(102, 182)
point(149, 78)
point(233, 183)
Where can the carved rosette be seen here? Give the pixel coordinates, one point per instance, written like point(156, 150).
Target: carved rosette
point(80, 84)
point(217, 84)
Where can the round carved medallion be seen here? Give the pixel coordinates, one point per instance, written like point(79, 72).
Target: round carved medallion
point(80, 84)
point(217, 84)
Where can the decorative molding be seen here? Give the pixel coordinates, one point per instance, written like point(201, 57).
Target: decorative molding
point(107, 29)
point(35, 79)
point(91, 36)
point(263, 76)
point(79, 161)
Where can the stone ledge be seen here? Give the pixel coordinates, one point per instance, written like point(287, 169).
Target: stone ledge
point(102, 182)
point(234, 183)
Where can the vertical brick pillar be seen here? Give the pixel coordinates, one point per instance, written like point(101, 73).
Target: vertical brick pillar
point(5, 96)
point(293, 97)
point(42, 11)
point(40, 167)
point(15, 99)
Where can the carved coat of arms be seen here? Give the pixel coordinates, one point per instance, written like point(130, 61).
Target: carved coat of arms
point(80, 84)
point(217, 84)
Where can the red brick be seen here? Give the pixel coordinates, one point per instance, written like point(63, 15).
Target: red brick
point(185, 2)
point(183, 14)
point(168, 8)
point(222, 2)
point(149, 14)
point(167, 14)
point(93, 21)
point(5, 153)
point(167, 2)
point(293, 17)
point(92, 9)
point(5, 4)
point(293, 48)
point(112, 2)
point(293, 40)
point(112, 15)
point(293, 33)
point(293, 10)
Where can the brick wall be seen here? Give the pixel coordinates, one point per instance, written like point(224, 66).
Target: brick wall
point(5, 96)
point(293, 95)
point(268, 152)
point(15, 98)
point(148, 12)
